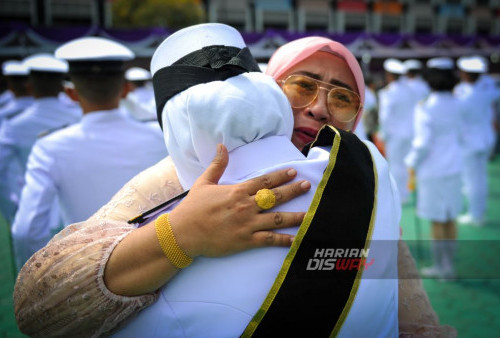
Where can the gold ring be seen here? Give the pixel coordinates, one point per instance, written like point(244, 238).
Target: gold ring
point(265, 199)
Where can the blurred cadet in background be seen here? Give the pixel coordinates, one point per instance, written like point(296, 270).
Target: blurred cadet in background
point(19, 133)
point(85, 164)
point(14, 100)
point(419, 87)
point(17, 97)
point(396, 106)
point(478, 94)
point(436, 159)
point(140, 101)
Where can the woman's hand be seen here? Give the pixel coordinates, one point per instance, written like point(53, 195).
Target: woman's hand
point(217, 220)
point(213, 220)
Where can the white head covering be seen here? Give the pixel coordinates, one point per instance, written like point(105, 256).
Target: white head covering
point(234, 112)
point(411, 64)
point(193, 38)
point(440, 63)
point(137, 74)
point(472, 64)
point(93, 49)
point(14, 68)
point(44, 62)
point(394, 66)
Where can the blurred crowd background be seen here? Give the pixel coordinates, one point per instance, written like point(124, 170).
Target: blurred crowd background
point(373, 30)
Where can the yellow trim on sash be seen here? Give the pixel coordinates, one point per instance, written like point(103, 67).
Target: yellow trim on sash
point(252, 326)
point(359, 274)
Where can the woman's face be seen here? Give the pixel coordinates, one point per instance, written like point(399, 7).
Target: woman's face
point(308, 120)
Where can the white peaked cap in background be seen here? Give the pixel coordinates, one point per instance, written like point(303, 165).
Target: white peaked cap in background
point(394, 66)
point(137, 74)
point(14, 68)
point(94, 49)
point(44, 62)
point(193, 38)
point(412, 64)
point(472, 64)
point(440, 63)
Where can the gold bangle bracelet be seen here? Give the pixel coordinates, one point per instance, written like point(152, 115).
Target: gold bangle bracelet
point(169, 244)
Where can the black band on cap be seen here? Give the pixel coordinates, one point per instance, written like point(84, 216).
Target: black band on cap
point(212, 63)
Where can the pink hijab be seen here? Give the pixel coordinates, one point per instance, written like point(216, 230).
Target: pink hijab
point(296, 51)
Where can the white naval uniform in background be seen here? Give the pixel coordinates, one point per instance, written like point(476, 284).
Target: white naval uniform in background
point(7, 205)
point(15, 106)
point(477, 100)
point(6, 97)
point(419, 87)
point(18, 134)
point(437, 156)
point(217, 297)
point(140, 104)
point(83, 165)
point(396, 115)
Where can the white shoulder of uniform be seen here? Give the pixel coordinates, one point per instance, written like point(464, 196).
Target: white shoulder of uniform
point(50, 131)
point(421, 103)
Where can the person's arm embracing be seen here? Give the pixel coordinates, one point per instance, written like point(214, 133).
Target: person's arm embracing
point(84, 282)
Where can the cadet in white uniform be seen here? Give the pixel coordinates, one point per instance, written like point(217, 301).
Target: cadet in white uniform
point(478, 98)
point(85, 164)
point(16, 74)
point(18, 134)
point(419, 87)
point(140, 101)
point(396, 107)
point(436, 157)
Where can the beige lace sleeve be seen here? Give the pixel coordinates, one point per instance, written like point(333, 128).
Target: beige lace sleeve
point(417, 318)
point(60, 291)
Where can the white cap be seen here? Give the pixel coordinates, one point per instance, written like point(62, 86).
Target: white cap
point(472, 64)
point(137, 74)
point(94, 49)
point(194, 38)
point(14, 68)
point(412, 64)
point(262, 66)
point(440, 63)
point(44, 62)
point(394, 66)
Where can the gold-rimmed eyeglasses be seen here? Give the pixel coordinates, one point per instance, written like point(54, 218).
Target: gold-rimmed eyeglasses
point(343, 104)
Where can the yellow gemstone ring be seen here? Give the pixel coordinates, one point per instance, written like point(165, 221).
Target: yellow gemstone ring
point(265, 199)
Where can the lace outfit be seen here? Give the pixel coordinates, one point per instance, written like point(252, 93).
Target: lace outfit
point(60, 291)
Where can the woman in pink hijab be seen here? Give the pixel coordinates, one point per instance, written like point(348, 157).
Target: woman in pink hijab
point(331, 65)
point(336, 67)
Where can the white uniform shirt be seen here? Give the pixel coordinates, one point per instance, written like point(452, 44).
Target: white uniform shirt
point(437, 146)
point(217, 297)
point(18, 134)
point(83, 165)
point(14, 107)
point(419, 88)
point(140, 104)
point(396, 106)
point(6, 97)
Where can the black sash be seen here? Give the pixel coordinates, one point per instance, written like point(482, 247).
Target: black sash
point(312, 296)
